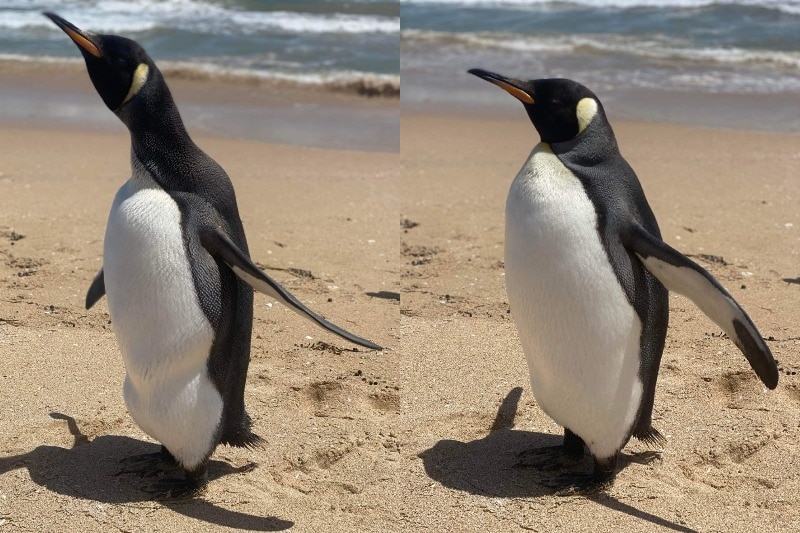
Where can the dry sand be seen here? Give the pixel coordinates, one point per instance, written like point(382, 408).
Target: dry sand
point(423, 436)
point(731, 461)
point(328, 413)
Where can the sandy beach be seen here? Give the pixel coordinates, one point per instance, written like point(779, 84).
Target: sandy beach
point(322, 222)
point(424, 435)
point(726, 198)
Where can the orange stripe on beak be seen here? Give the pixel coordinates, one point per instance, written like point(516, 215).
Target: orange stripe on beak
point(517, 93)
point(83, 42)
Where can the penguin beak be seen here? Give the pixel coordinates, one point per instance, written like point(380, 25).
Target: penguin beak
point(510, 85)
point(84, 39)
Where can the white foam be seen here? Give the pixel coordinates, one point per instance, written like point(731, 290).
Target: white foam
point(120, 17)
point(638, 47)
point(786, 6)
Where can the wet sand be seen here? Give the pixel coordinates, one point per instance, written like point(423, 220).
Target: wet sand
point(60, 94)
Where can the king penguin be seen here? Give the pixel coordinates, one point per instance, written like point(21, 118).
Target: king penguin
point(177, 274)
point(587, 275)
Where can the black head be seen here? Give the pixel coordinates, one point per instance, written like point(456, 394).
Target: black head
point(560, 109)
point(118, 67)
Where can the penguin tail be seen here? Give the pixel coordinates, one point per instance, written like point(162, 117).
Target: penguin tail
point(244, 439)
point(651, 437)
point(240, 435)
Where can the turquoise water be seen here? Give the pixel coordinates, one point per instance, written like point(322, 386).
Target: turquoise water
point(735, 46)
point(636, 54)
point(721, 63)
point(303, 41)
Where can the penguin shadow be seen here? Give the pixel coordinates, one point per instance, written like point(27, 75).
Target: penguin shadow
point(384, 295)
point(90, 470)
point(489, 466)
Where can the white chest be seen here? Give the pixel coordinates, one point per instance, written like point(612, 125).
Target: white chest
point(151, 293)
point(164, 336)
point(579, 333)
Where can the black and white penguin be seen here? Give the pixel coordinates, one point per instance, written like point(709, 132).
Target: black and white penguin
point(177, 273)
point(587, 276)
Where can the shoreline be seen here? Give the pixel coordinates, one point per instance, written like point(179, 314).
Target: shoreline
point(466, 95)
point(367, 85)
point(61, 93)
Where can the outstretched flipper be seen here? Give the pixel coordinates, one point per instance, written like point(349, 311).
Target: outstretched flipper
point(96, 290)
point(219, 245)
point(682, 275)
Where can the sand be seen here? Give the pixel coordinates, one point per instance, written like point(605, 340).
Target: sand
point(322, 222)
point(730, 463)
point(424, 435)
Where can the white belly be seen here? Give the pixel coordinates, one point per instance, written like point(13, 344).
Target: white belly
point(579, 333)
point(164, 336)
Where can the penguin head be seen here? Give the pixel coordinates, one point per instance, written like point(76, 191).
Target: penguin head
point(560, 109)
point(118, 67)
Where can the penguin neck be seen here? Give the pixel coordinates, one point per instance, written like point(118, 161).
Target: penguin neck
point(154, 123)
point(593, 145)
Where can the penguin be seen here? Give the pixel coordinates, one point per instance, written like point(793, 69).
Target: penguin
point(178, 276)
point(587, 278)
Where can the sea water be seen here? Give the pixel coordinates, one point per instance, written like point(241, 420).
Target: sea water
point(681, 60)
point(307, 42)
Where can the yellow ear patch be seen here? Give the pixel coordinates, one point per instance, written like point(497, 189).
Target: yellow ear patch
point(585, 111)
point(83, 42)
point(139, 77)
point(519, 94)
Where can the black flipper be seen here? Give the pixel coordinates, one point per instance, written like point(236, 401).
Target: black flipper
point(96, 290)
point(682, 275)
point(219, 245)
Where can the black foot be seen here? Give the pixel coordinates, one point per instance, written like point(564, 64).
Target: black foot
point(573, 445)
point(148, 464)
point(175, 488)
point(546, 458)
point(551, 458)
point(581, 484)
point(585, 484)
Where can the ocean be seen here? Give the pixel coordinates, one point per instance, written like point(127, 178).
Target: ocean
point(722, 63)
point(347, 45)
point(690, 61)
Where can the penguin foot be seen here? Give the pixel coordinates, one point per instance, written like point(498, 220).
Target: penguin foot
point(550, 458)
point(147, 464)
point(584, 483)
point(581, 484)
point(546, 458)
point(176, 489)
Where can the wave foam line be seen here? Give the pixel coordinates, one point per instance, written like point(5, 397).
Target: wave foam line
point(349, 82)
point(786, 6)
point(647, 49)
